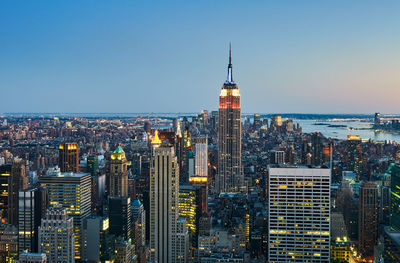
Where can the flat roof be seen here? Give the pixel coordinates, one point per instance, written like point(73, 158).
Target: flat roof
point(67, 174)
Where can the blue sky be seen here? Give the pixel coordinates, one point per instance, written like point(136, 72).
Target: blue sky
point(171, 56)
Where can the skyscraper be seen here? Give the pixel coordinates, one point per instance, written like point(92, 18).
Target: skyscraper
point(230, 176)
point(139, 223)
point(299, 214)
point(32, 207)
point(164, 198)
point(5, 173)
point(73, 192)
point(17, 181)
point(69, 157)
point(118, 173)
point(368, 219)
point(394, 171)
point(354, 154)
point(190, 208)
point(120, 216)
point(56, 235)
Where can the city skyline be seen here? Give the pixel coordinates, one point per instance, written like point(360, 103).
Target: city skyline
point(289, 57)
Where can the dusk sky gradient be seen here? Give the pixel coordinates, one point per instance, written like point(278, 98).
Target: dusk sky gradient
point(171, 56)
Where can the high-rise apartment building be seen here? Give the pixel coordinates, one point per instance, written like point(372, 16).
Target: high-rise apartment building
point(56, 236)
point(73, 192)
point(164, 198)
point(68, 157)
point(229, 175)
point(299, 214)
point(118, 173)
point(32, 208)
point(368, 219)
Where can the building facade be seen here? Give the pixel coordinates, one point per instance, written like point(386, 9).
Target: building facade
point(118, 173)
point(368, 219)
point(299, 219)
point(229, 175)
point(164, 198)
point(73, 192)
point(56, 236)
point(32, 207)
point(69, 157)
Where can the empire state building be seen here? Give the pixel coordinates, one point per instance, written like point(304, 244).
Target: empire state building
point(229, 174)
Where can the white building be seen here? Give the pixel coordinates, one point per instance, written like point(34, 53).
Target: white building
point(56, 236)
point(32, 258)
point(164, 198)
point(201, 157)
point(299, 214)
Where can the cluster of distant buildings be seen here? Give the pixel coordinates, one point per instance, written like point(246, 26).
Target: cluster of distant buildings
point(207, 188)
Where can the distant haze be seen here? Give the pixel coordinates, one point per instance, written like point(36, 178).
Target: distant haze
point(171, 56)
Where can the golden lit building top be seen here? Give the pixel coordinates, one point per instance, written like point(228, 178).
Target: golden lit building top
point(353, 137)
point(155, 140)
point(118, 154)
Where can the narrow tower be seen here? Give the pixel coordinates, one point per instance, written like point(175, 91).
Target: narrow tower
point(230, 176)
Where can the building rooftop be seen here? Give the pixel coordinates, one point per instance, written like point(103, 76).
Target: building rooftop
point(67, 174)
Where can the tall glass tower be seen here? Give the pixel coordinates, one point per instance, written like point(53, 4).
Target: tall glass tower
point(230, 176)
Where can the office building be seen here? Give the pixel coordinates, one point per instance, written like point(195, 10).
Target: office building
point(5, 173)
point(276, 157)
point(32, 208)
point(118, 173)
point(354, 154)
point(73, 192)
point(229, 175)
point(182, 241)
point(17, 181)
point(391, 253)
point(190, 208)
point(340, 242)
point(139, 223)
point(257, 121)
point(368, 219)
point(31, 258)
point(120, 216)
point(8, 243)
point(93, 165)
point(299, 214)
point(201, 157)
point(124, 251)
point(99, 244)
point(276, 121)
point(164, 198)
point(69, 157)
point(56, 235)
point(394, 171)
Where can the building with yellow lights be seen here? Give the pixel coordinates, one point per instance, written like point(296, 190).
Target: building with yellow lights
point(69, 157)
point(229, 176)
point(73, 192)
point(190, 209)
point(118, 174)
point(164, 207)
point(340, 242)
point(56, 235)
point(299, 214)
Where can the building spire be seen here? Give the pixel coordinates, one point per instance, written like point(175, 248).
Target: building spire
point(230, 75)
